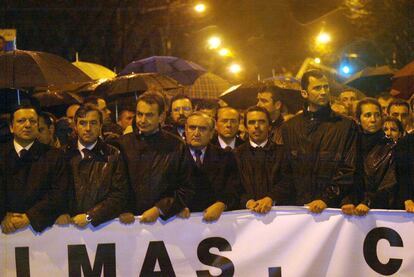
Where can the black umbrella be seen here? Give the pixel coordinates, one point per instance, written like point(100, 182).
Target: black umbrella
point(57, 98)
point(243, 96)
point(372, 80)
point(28, 69)
point(183, 71)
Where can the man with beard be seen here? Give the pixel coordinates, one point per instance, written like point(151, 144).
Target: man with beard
point(34, 177)
point(260, 163)
point(98, 173)
point(213, 170)
point(181, 108)
point(268, 98)
point(157, 168)
point(321, 150)
point(227, 127)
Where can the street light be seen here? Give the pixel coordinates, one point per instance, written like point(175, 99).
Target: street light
point(317, 60)
point(200, 8)
point(323, 38)
point(235, 68)
point(224, 52)
point(214, 42)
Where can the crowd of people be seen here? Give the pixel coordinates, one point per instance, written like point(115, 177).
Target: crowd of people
point(166, 158)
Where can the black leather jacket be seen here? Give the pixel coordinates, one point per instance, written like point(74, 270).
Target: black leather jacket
point(321, 150)
point(100, 182)
point(377, 169)
point(159, 172)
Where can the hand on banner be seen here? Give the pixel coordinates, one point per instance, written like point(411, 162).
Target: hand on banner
point(316, 206)
point(80, 220)
point(409, 206)
point(214, 212)
point(150, 215)
point(263, 205)
point(348, 209)
point(251, 204)
point(63, 219)
point(127, 218)
point(20, 220)
point(361, 209)
point(7, 226)
point(185, 213)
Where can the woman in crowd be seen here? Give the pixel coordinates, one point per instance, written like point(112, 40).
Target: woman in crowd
point(377, 182)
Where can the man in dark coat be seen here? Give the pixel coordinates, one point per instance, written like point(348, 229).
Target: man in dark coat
point(260, 163)
point(404, 160)
point(156, 163)
point(269, 98)
point(181, 108)
point(321, 150)
point(227, 127)
point(100, 182)
point(34, 177)
point(213, 170)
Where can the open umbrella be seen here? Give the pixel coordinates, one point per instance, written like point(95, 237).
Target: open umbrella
point(372, 80)
point(183, 71)
point(95, 71)
point(27, 69)
point(403, 82)
point(135, 83)
point(207, 86)
point(57, 98)
point(243, 96)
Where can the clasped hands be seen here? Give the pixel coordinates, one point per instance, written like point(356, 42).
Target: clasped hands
point(13, 222)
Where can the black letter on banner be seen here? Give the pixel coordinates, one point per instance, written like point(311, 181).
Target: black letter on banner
point(370, 250)
point(204, 255)
point(104, 258)
point(22, 261)
point(275, 272)
point(157, 251)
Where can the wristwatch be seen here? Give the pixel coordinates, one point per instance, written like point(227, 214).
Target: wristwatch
point(88, 218)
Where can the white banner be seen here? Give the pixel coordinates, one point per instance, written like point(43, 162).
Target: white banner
point(288, 242)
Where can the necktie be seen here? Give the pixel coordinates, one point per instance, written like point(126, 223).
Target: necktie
point(23, 153)
point(198, 154)
point(227, 148)
point(87, 154)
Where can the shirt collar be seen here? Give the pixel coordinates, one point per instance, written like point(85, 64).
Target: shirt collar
point(81, 147)
point(203, 152)
point(254, 145)
point(223, 144)
point(18, 147)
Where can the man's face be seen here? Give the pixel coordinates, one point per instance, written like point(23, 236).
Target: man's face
point(125, 119)
point(257, 126)
point(348, 98)
point(318, 92)
point(25, 126)
point(371, 118)
point(391, 130)
point(147, 117)
point(45, 134)
point(265, 100)
point(401, 113)
point(227, 123)
point(88, 128)
point(180, 110)
point(104, 109)
point(198, 131)
point(384, 104)
point(70, 114)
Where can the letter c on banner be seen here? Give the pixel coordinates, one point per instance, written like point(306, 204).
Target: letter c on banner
point(370, 250)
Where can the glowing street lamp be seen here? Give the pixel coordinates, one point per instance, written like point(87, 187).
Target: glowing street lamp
point(235, 68)
point(317, 60)
point(224, 52)
point(200, 8)
point(214, 42)
point(323, 38)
